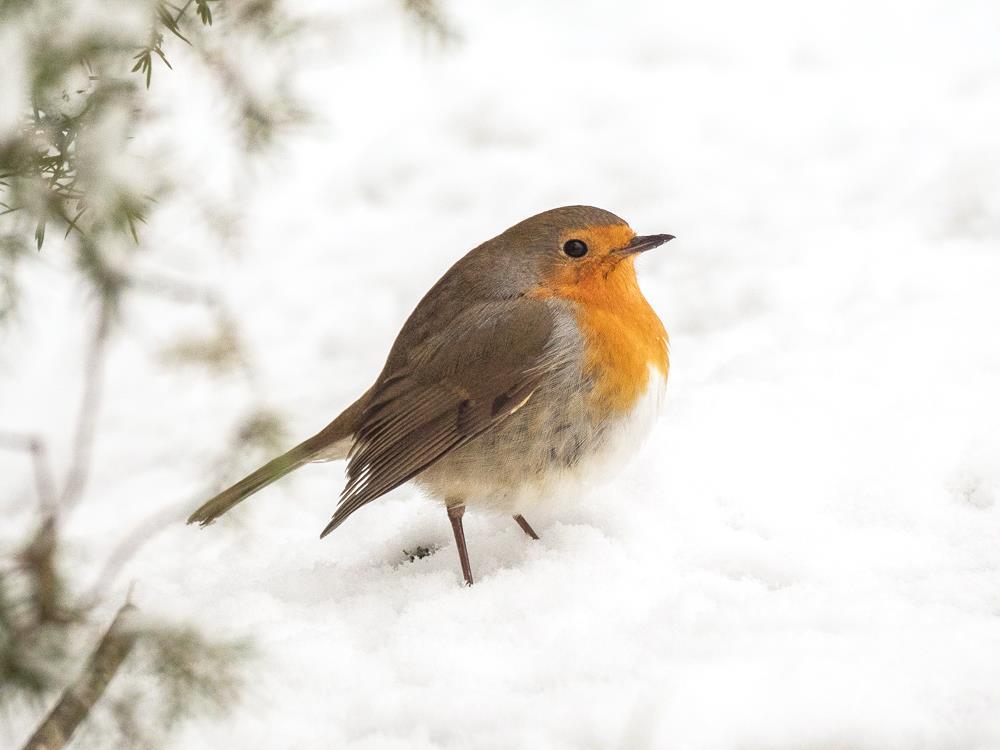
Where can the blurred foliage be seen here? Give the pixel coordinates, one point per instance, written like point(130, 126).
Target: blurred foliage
point(219, 350)
point(81, 171)
point(429, 17)
point(173, 672)
point(30, 653)
point(193, 674)
point(69, 165)
point(262, 431)
point(68, 160)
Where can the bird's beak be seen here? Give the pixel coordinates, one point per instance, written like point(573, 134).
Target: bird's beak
point(641, 244)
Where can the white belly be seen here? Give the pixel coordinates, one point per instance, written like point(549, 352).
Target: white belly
point(544, 451)
point(620, 439)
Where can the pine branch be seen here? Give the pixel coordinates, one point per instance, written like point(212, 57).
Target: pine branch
point(79, 699)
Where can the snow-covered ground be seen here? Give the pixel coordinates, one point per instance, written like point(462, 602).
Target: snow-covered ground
point(806, 554)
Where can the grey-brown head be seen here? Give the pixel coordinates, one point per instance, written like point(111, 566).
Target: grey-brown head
point(560, 247)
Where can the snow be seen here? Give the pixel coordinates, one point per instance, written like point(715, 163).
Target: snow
point(804, 554)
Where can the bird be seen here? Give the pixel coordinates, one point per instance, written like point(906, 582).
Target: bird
point(533, 361)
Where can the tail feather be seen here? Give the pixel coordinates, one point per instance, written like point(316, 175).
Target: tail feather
point(258, 480)
point(332, 442)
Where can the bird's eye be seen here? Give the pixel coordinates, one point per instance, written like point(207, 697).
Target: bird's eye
point(575, 248)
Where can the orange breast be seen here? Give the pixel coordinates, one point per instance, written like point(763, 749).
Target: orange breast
point(623, 337)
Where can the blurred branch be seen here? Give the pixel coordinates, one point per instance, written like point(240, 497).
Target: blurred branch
point(35, 448)
point(429, 17)
point(12, 248)
point(260, 430)
point(175, 289)
point(76, 476)
point(78, 699)
point(46, 590)
point(140, 535)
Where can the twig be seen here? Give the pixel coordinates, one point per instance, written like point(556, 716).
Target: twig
point(76, 477)
point(148, 528)
point(182, 11)
point(78, 699)
point(35, 447)
point(174, 289)
point(142, 533)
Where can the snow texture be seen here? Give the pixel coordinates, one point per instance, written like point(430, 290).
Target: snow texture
point(806, 551)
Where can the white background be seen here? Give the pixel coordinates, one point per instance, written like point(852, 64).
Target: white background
point(806, 554)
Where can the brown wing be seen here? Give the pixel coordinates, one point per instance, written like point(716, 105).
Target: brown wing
point(477, 372)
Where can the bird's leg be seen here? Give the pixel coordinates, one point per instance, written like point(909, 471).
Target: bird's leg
point(525, 526)
point(455, 513)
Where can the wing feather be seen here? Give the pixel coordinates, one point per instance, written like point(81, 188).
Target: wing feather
point(483, 369)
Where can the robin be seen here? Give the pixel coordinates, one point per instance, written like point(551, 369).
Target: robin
point(532, 360)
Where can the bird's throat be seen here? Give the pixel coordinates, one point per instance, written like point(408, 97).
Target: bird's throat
point(623, 337)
